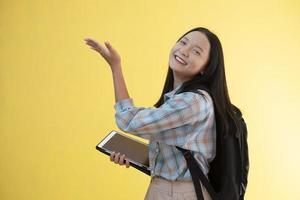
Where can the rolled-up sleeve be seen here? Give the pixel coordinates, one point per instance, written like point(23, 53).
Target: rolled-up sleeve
point(181, 109)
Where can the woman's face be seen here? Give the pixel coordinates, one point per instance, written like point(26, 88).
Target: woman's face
point(189, 55)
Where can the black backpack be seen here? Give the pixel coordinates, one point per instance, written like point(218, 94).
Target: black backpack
point(228, 174)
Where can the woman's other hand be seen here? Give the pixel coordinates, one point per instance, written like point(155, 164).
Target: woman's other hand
point(119, 159)
point(109, 54)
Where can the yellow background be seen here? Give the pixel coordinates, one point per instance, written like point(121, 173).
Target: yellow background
point(56, 94)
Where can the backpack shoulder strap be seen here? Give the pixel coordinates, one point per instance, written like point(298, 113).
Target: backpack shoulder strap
point(197, 174)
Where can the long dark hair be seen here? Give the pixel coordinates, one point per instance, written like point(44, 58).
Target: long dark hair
point(213, 78)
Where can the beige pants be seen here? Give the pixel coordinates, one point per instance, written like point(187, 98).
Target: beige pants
point(160, 188)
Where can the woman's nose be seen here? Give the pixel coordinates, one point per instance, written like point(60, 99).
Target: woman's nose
point(184, 51)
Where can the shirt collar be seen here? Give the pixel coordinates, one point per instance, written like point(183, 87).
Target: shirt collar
point(172, 92)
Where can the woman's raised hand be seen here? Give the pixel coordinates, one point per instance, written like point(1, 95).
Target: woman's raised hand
point(119, 159)
point(109, 54)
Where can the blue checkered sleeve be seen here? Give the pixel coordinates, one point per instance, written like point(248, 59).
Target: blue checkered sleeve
point(149, 123)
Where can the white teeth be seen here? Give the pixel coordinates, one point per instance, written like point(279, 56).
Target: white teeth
point(180, 60)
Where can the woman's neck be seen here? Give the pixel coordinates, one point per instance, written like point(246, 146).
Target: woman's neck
point(178, 80)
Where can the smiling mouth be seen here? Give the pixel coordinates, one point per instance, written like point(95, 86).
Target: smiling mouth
point(179, 60)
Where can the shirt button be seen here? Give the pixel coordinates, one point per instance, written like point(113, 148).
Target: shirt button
point(157, 150)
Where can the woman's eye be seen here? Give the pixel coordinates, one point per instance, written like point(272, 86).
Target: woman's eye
point(197, 52)
point(182, 42)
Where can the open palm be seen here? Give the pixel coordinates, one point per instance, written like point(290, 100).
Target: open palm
point(109, 54)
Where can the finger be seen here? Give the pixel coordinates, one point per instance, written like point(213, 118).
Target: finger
point(127, 163)
point(96, 45)
point(102, 49)
point(112, 155)
point(93, 44)
point(121, 161)
point(99, 51)
point(89, 40)
point(117, 158)
point(99, 48)
point(96, 49)
point(86, 39)
point(109, 46)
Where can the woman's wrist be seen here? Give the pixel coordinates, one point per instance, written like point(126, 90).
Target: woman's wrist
point(116, 68)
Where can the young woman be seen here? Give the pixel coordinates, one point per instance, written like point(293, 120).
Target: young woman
point(180, 117)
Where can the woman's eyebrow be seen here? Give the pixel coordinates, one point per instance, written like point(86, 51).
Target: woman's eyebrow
point(195, 45)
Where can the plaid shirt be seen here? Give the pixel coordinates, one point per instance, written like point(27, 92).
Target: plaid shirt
point(186, 120)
